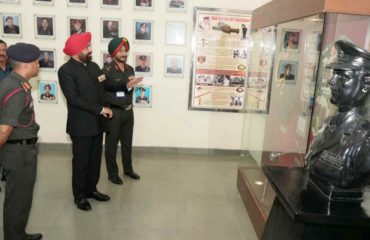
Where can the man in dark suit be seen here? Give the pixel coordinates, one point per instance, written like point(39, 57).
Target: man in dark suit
point(78, 80)
point(340, 152)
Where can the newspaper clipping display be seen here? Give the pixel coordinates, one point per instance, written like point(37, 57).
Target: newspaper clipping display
point(220, 63)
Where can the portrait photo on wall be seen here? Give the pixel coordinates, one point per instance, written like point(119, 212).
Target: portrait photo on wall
point(175, 33)
point(143, 31)
point(44, 26)
point(77, 25)
point(10, 1)
point(176, 5)
point(43, 2)
point(11, 25)
point(105, 58)
point(287, 71)
point(174, 65)
point(47, 60)
point(110, 3)
point(143, 64)
point(110, 28)
point(77, 3)
point(48, 92)
point(291, 40)
point(142, 96)
point(143, 4)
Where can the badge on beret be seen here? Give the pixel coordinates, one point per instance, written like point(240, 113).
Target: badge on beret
point(102, 78)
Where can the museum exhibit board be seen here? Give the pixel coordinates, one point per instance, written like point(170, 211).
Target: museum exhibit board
point(299, 98)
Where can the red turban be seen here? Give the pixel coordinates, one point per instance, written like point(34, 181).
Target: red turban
point(76, 43)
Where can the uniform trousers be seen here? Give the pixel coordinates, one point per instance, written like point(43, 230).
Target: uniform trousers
point(121, 128)
point(19, 164)
point(87, 151)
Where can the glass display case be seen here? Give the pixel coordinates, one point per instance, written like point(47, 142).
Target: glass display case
point(292, 55)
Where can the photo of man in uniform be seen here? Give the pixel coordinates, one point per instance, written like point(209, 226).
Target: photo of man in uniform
point(44, 26)
point(142, 99)
point(173, 65)
point(291, 40)
point(142, 65)
point(143, 31)
point(143, 3)
point(110, 29)
point(110, 2)
point(47, 95)
point(46, 59)
point(10, 27)
point(77, 26)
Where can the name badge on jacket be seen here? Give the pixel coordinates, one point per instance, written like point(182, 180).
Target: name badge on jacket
point(120, 94)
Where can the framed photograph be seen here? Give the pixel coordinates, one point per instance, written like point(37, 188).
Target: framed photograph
point(143, 4)
point(77, 25)
point(105, 58)
point(110, 3)
point(175, 33)
point(77, 3)
point(287, 71)
point(44, 26)
point(142, 96)
point(47, 59)
point(10, 1)
point(48, 92)
point(143, 64)
point(11, 25)
point(174, 65)
point(43, 2)
point(143, 31)
point(110, 28)
point(291, 40)
point(176, 5)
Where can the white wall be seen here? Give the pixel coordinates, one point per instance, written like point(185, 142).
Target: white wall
point(168, 123)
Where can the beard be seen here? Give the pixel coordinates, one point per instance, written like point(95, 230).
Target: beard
point(86, 58)
point(121, 59)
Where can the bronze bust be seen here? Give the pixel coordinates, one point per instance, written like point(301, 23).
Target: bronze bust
point(339, 156)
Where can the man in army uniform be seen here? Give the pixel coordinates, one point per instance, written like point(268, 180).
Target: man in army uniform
point(118, 94)
point(340, 153)
point(18, 136)
point(142, 67)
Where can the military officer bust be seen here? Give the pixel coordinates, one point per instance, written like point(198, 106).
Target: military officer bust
point(340, 153)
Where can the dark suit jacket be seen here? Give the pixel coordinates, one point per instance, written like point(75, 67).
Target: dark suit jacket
point(79, 84)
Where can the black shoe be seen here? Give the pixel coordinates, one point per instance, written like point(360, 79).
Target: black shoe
point(116, 180)
point(98, 196)
point(36, 236)
point(133, 175)
point(83, 204)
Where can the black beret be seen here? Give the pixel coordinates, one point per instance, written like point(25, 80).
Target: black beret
point(142, 89)
point(23, 52)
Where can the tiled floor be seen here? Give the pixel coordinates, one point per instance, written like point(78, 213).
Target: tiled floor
point(180, 196)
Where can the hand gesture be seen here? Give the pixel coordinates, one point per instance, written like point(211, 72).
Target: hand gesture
point(134, 81)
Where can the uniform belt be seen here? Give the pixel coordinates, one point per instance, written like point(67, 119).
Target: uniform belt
point(123, 107)
point(28, 141)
